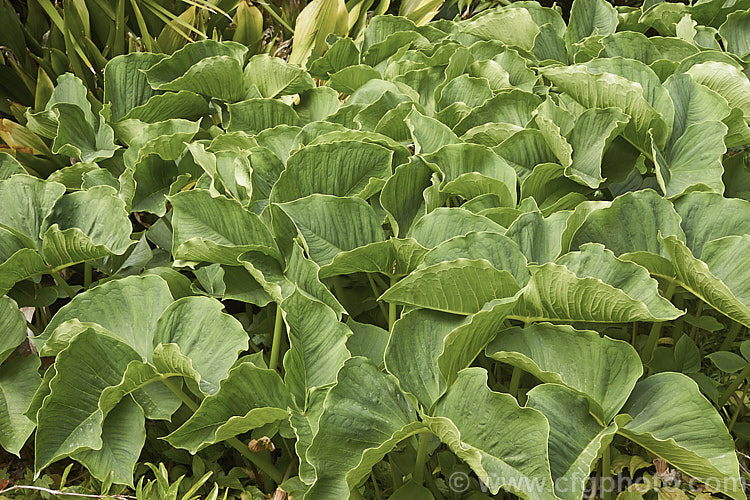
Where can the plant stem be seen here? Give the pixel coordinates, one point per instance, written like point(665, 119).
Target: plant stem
point(338, 288)
point(375, 290)
point(395, 476)
point(276, 346)
point(356, 495)
point(740, 406)
point(433, 487)
point(87, 275)
point(595, 483)
point(734, 330)
point(734, 385)
point(378, 496)
point(392, 308)
point(607, 493)
point(259, 460)
point(276, 16)
point(34, 329)
point(424, 445)
point(655, 333)
point(515, 379)
point(653, 339)
point(119, 43)
point(177, 391)
point(64, 284)
point(698, 312)
point(679, 324)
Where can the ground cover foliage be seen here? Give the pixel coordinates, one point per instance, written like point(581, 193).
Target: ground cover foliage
point(508, 249)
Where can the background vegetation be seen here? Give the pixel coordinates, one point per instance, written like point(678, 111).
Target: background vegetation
point(497, 130)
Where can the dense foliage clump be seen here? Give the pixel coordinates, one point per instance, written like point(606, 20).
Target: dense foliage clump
point(508, 253)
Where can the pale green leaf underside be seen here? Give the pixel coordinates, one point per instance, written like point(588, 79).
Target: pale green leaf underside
point(668, 415)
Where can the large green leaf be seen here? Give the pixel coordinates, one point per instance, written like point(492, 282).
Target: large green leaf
point(556, 293)
point(230, 173)
point(19, 379)
point(668, 415)
point(86, 138)
point(502, 252)
point(232, 283)
point(145, 384)
point(69, 89)
point(364, 417)
point(86, 225)
point(402, 197)
point(210, 339)
point(330, 225)
point(719, 278)
point(636, 71)
point(491, 449)
point(693, 157)
point(639, 215)
point(9, 166)
point(456, 160)
point(153, 178)
point(525, 150)
point(341, 54)
point(460, 286)
point(255, 115)
point(417, 340)
point(274, 77)
point(693, 104)
point(348, 80)
point(12, 326)
point(305, 425)
point(445, 223)
point(165, 139)
point(300, 273)
point(123, 437)
point(317, 103)
point(344, 168)
point(70, 418)
point(128, 308)
point(22, 263)
point(396, 257)
point(709, 216)
point(428, 134)
point(590, 17)
point(205, 67)
point(465, 89)
point(509, 26)
point(604, 90)
point(595, 261)
point(552, 352)
point(170, 105)
point(726, 80)
point(428, 348)
point(735, 31)
point(593, 132)
point(539, 238)
point(513, 107)
point(24, 203)
point(576, 439)
point(248, 398)
point(125, 85)
point(216, 229)
point(317, 345)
